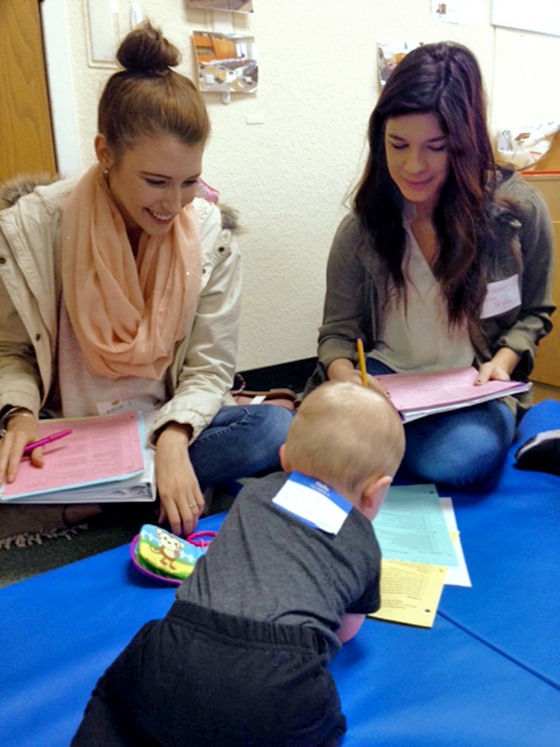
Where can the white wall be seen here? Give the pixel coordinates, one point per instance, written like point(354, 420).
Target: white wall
point(317, 86)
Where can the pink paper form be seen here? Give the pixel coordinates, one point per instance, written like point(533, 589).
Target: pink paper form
point(421, 391)
point(99, 449)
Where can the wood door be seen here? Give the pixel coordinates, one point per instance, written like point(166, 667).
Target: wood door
point(25, 124)
point(547, 363)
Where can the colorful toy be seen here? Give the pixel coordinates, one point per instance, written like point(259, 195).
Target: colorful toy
point(162, 555)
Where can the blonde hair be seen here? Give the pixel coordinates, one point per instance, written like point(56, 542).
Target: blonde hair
point(343, 433)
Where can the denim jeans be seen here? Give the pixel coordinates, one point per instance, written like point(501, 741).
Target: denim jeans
point(239, 442)
point(456, 448)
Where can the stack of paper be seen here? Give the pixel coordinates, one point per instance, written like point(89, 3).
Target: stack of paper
point(417, 395)
point(421, 552)
point(102, 460)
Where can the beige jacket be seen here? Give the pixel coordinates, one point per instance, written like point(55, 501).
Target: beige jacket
point(201, 374)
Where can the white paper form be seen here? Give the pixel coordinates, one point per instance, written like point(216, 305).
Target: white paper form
point(455, 576)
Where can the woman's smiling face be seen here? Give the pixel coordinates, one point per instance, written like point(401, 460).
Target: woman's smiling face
point(152, 181)
point(417, 156)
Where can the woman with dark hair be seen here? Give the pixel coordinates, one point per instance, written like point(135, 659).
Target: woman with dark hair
point(122, 291)
point(445, 262)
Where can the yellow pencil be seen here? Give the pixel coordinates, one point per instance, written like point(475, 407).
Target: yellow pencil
point(362, 360)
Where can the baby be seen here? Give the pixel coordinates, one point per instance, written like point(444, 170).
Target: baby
point(241, 657)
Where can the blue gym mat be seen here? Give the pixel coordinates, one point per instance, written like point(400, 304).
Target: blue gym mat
point(486, 675)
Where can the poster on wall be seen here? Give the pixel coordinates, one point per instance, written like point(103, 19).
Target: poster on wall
point(542, 16)
point(226, 62)
point(389, 54)
point(237, 6)
point(466, 12)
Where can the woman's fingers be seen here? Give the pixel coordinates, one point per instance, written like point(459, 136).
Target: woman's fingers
point(12, 447)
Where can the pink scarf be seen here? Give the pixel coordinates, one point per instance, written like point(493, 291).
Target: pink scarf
point(127, 313)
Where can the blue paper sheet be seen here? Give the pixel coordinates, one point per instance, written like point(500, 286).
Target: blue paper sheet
point(411, 526)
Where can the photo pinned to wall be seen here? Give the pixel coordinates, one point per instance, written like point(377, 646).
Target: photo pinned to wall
point(227, 63)
point(466, 12)
point(236, 6)
point(389, 54)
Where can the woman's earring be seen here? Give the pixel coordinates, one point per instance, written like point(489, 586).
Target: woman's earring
point(106, 173)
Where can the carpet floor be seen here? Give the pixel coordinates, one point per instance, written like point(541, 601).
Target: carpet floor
point(24, 557)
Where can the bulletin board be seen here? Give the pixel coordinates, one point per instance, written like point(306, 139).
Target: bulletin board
point(542, 16)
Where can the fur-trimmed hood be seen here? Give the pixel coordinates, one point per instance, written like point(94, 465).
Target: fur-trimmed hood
point(18, 186)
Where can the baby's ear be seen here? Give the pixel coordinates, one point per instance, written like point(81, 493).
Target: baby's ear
point(284, 459)
point(374, 492)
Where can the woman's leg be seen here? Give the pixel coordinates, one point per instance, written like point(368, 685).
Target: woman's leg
point(460, 447)
point(456, 448)
point(239, 442)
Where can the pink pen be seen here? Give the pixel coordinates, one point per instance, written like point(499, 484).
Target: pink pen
point(47, 440)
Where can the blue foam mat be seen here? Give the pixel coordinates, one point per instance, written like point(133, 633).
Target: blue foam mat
point(406, 687)
point(486, 674)
point(511, 540)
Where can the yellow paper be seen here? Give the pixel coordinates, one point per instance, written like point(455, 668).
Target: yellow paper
point(410, 592)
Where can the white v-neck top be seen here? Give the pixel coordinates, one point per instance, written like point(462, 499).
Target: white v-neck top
point(417, 337)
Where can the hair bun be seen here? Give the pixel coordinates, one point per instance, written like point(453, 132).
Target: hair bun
point(146, 50)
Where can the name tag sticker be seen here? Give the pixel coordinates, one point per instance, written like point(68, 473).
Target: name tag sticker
point(126, 405)
point(313, 502)
point(501, 296)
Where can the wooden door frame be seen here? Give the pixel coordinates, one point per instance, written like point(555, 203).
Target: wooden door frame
point(61, 91)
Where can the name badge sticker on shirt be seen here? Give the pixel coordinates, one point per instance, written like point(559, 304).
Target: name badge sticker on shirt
point(501, 296)
point(313, 502)
point(142, 404)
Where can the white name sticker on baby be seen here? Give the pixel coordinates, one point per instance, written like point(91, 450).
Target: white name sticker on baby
point(501, 296)
point(313, 502)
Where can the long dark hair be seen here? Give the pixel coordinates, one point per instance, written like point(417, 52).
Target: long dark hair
point(148, 97)
point(443, 79)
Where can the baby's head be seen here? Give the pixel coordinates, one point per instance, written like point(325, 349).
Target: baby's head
point(349, 437)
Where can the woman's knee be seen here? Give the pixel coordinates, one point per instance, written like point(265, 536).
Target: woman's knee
point(460, 449)
point(273, 423)
point(269, 428)
point(455, 468)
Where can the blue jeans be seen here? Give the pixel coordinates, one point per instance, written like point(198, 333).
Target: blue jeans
point(456, 448)
point(239, 442)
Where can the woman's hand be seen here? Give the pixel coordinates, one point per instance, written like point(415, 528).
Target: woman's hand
point(178, 488)
point(499, 368)
point(22, 429)
point(343, 370)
